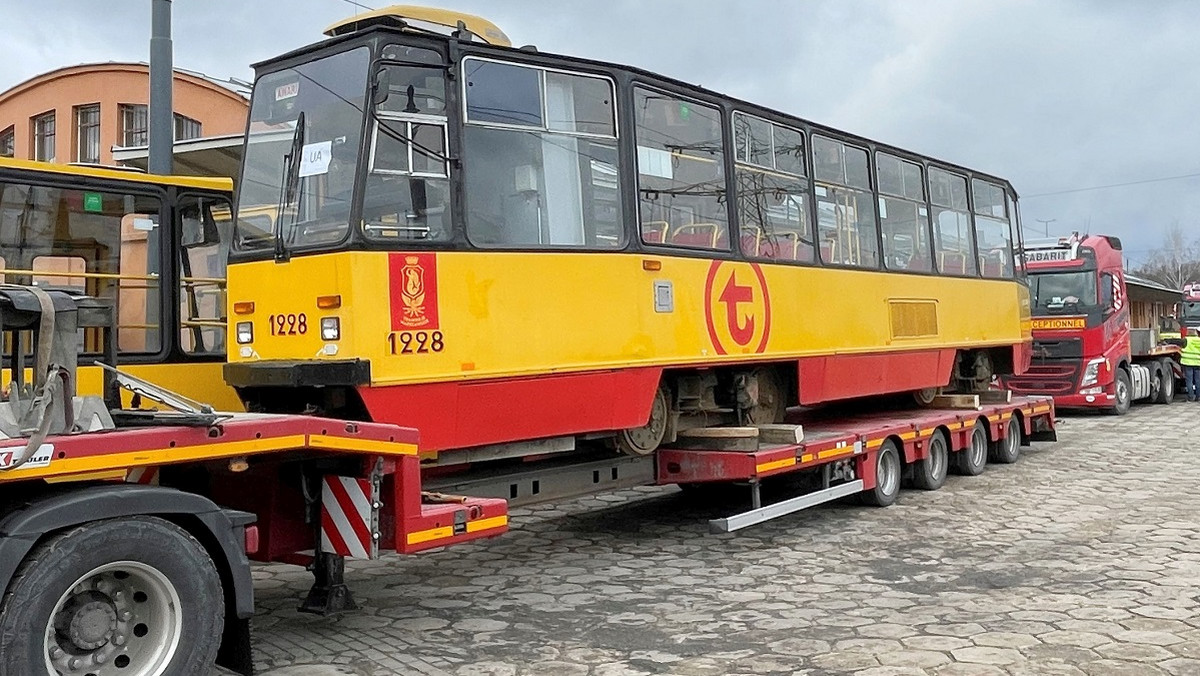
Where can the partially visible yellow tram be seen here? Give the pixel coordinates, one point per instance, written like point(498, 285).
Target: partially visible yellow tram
point(154, 246)
point(495, 244)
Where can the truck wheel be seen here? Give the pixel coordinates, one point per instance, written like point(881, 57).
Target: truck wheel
point(929, 474)
point(972, 460)
point(1121, 404)
point(1166, 383)
point(134, 597)
point(1007, 450)
point(887, 476)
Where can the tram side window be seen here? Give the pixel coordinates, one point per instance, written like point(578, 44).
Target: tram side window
point(771, 191)
point(101, 243)
point(993, 234)
point(542, 153)
point(205, 224)
point(681, 172)
point(846, 229)
point(408, 183)
point(903, 215)
point(951, 223)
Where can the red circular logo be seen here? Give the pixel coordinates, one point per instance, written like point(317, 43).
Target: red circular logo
point(737, 308)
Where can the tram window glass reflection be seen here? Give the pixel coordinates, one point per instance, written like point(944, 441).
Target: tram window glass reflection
point(951, 223)
point(772, 191)
point(846, 227)
point(681, 171)
point(543, 158)
point(903, 217)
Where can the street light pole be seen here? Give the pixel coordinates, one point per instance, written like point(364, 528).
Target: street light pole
point(1046, 223)
point(162, 119)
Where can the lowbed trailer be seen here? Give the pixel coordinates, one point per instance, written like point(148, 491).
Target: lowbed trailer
point(107, 574)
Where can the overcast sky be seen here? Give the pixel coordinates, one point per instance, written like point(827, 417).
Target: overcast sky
point(1055, 95)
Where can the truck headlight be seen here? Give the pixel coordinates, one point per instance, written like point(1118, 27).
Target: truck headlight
point(1091, 372)
point(331, 328)
point(245, 332)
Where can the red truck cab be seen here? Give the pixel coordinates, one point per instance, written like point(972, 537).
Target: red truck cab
point(1081, 336)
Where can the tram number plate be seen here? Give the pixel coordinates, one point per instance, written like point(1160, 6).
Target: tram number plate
point(288, 324)
point(415, 342)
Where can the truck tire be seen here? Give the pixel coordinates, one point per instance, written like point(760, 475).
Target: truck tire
point(1166, 383)
point(1123, 396)
point(930, 473)
point(972, 460)
point(137, 596)
point(888, 469)
point(1007, 450)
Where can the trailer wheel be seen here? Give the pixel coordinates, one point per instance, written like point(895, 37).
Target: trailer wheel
point(1166, 383)
point(1007, 450)
point(929, 474)
point(1121, 404)
point(972, 460)
point(129, 597)
point(887, 476)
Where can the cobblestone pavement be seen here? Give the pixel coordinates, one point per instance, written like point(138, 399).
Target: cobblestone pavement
point(1083, 558)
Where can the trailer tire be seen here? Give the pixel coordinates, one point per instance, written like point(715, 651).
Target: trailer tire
point(972, 460)
point(888, 469)
point(930, 473)
point(1166, 383)
point(1006, 451)
point(140, 594)
point(1124, 394)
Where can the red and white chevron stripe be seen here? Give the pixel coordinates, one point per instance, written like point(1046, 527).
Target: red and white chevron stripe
point(147, 476)
point(348, 517)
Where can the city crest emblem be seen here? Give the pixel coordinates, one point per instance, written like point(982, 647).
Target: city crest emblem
point(413, 281)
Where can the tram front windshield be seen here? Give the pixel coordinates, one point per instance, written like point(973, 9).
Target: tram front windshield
point(301, 154)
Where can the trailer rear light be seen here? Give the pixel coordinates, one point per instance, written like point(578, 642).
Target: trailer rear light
point(329, 302)
point(243, 308)
point(251, 539)
point(331, 328)
point(245, 332)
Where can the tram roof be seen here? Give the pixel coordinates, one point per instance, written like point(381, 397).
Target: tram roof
point(556, 60)
point(117, 174)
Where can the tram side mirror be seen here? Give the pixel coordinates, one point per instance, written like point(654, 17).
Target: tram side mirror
point(381, 88)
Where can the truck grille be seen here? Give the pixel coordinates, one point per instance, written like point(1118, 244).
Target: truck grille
point(1071, 348)
point(1044, 378)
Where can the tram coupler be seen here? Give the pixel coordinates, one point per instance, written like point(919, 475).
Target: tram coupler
point(329, 594)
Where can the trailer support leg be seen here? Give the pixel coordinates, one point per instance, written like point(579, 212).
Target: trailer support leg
point(755, 494)
point(329, 594)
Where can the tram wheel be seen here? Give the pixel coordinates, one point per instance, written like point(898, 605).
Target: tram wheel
point(770, 398)
point(645, 439)
point(925, 397)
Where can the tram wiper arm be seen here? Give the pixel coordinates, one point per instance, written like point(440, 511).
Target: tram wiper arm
point(289, 186)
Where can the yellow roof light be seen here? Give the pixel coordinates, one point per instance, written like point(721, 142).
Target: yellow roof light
point(412, 16)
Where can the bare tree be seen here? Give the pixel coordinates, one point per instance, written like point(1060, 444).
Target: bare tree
point(1176, 262)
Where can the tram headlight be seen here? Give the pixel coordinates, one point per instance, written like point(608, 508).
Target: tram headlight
point(245, 332)
point(331, 328)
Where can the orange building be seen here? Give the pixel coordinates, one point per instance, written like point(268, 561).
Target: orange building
point(78, 113)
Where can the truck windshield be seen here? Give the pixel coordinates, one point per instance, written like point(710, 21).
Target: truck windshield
point(327, 96)
point(1191, 311)
point(1060, 293)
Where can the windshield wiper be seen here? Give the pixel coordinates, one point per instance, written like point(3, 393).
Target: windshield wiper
point(289, 186)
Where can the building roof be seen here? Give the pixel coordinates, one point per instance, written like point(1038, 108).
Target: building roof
point(1145, 290)
point(234, 86)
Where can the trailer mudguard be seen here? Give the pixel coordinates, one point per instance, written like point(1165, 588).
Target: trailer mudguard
point(22, 527)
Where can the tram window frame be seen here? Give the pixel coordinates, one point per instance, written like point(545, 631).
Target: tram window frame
point(803, 251)
point(601, 149)
point(937, 208)
point(156, 255)
point(905, 195)
point(717, 232)
point(994, 198)
point(829, 190)
point(223, 243)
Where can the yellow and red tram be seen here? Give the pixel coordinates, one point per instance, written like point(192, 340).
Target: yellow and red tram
point(494, 245)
